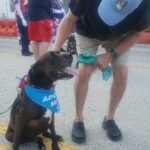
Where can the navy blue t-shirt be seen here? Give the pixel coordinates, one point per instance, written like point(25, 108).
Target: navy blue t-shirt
point(91, 25)
point(39, 9)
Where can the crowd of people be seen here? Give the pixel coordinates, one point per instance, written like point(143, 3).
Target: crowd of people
point(37, 23)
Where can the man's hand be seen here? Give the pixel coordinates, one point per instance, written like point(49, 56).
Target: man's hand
point(103, 60)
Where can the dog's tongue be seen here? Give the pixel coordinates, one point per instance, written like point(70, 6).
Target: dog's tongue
point(71, 71)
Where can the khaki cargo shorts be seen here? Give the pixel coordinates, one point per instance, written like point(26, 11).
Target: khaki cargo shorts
point(90, 45)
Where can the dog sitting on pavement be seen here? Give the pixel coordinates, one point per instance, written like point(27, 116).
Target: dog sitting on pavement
point(33, 110)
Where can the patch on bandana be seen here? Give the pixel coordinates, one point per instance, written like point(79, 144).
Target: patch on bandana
point(44, 98)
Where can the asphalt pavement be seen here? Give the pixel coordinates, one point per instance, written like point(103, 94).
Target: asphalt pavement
point(133, 114)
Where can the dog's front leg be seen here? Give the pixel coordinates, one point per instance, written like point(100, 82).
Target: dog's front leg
point(19, 124)
point(53, 133)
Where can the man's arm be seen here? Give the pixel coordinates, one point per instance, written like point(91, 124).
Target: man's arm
point(64, 29)
point(126, 43)
point(131, 39)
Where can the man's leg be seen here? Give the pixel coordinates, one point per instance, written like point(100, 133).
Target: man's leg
point(81, 89)
point(43, 48)
point(20, 30)
point(39, 48)
point(25, 42)
point(120, 74)
point(35, 48)
point(90, 46)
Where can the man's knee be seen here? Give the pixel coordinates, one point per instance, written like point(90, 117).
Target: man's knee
point(120, 73)
point(85, 71)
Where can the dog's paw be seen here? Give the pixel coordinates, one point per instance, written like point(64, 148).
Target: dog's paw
point(41, 144)
point(59, 138)
point(43, 148)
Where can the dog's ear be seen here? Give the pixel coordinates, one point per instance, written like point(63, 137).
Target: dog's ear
point(54, 55)
point(38, 77)
point(49, 56)
point(34, 71)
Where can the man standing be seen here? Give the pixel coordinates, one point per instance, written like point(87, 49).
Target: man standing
point(21, 19)
point(117, 25)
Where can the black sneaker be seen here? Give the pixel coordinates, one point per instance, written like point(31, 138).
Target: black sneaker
point(28, 53)
point(112, 130)
point(78, 132)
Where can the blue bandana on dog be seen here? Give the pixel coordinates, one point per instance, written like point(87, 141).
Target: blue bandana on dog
point(44, 98)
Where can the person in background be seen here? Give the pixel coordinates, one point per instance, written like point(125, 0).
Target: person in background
point(21, 20)
point(57, 14)
point(115, 24)
point(39, 25)
point(71, 44)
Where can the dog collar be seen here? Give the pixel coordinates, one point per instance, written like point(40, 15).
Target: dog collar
point(44, 98)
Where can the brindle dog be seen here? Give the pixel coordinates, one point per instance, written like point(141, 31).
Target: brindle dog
point(28, 119)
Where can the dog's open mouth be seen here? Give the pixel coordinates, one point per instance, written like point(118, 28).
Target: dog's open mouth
point(66, 73)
